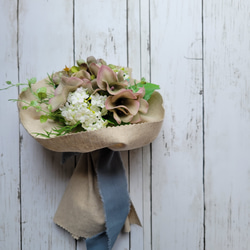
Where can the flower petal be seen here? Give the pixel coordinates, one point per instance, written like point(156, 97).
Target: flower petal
point(116, 87)
point(143, 106)
point(121, 118)
point(94, 84)
point(88, 85)
point(94, 68)
point(124, 93)
point(126, 118)
point(120, 76)
point(105, 76)
point(82, 74)
point(101, 61)
point(116, 117)
point(71, 81)
point(125, 105)
point(66, 85)
point(136, 119)
point(140, 93)
point(132, 106)
point(57, 102)
point(91, 59)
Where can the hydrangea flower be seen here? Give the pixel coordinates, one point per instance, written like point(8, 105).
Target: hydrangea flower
point(88, 109)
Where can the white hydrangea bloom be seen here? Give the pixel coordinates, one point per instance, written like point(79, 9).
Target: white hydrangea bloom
point(88, 109)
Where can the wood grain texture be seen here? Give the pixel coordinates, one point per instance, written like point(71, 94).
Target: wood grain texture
point(135, 156)
point(177, 195)
point(9, 132)
point(227, 120)
point(190, 186)
point(146, 151)
point(101, 31)
point(42, 26)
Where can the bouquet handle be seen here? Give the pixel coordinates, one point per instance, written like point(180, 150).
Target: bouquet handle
point(96, 203)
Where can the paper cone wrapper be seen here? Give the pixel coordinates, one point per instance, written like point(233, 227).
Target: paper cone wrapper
point(80, 211)
point(119, 138)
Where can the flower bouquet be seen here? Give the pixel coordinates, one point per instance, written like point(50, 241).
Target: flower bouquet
point(98, 110)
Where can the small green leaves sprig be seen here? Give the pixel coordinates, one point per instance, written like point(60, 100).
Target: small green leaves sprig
point(62, 130)
point(149, 88)
point(41, 97)
point(28, 85)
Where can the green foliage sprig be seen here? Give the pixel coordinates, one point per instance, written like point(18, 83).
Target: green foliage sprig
point(63, 130)
point(42, 97)
point(149, 88)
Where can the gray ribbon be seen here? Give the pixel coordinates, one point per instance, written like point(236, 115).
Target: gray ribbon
point(113, 189)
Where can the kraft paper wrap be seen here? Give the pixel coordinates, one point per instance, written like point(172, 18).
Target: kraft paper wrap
point(118, 138)
point(80, 211)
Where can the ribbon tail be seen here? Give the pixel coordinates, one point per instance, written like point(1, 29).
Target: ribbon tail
point(113, 189)
point(98, 242)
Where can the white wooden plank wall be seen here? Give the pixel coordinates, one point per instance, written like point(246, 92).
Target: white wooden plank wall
point(191, 186)
point(227, 124)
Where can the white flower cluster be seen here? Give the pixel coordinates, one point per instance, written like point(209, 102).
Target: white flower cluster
point(88, 109)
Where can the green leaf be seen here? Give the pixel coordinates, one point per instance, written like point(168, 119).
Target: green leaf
point(74, 69)
point(43, 118)
point(31, 81)
point(42, 93)
point(13, 100)
point(112, 66)
point(47, 135)
point(149, 88)
point(25, 107)
point(8, 87)
point(20, 84)
point(50, 107)
point(9, 82)
point(51, 82)
point(134, 88)
point(33, 103)
point(24, 89)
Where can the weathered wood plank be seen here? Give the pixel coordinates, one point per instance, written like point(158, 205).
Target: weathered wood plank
point(136, 167)
point(46, 45)
point(9, 131)
point(101, 31)
point(177, 194)
point(176, 53)
point(227, 120)
point(146, 151)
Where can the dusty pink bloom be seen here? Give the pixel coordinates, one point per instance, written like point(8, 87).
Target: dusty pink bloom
point(65, 85)
point(107, 80)
point(125, 105)
point(143, 105)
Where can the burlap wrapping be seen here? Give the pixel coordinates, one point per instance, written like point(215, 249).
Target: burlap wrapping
point(116, 138)
point(80, 211)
